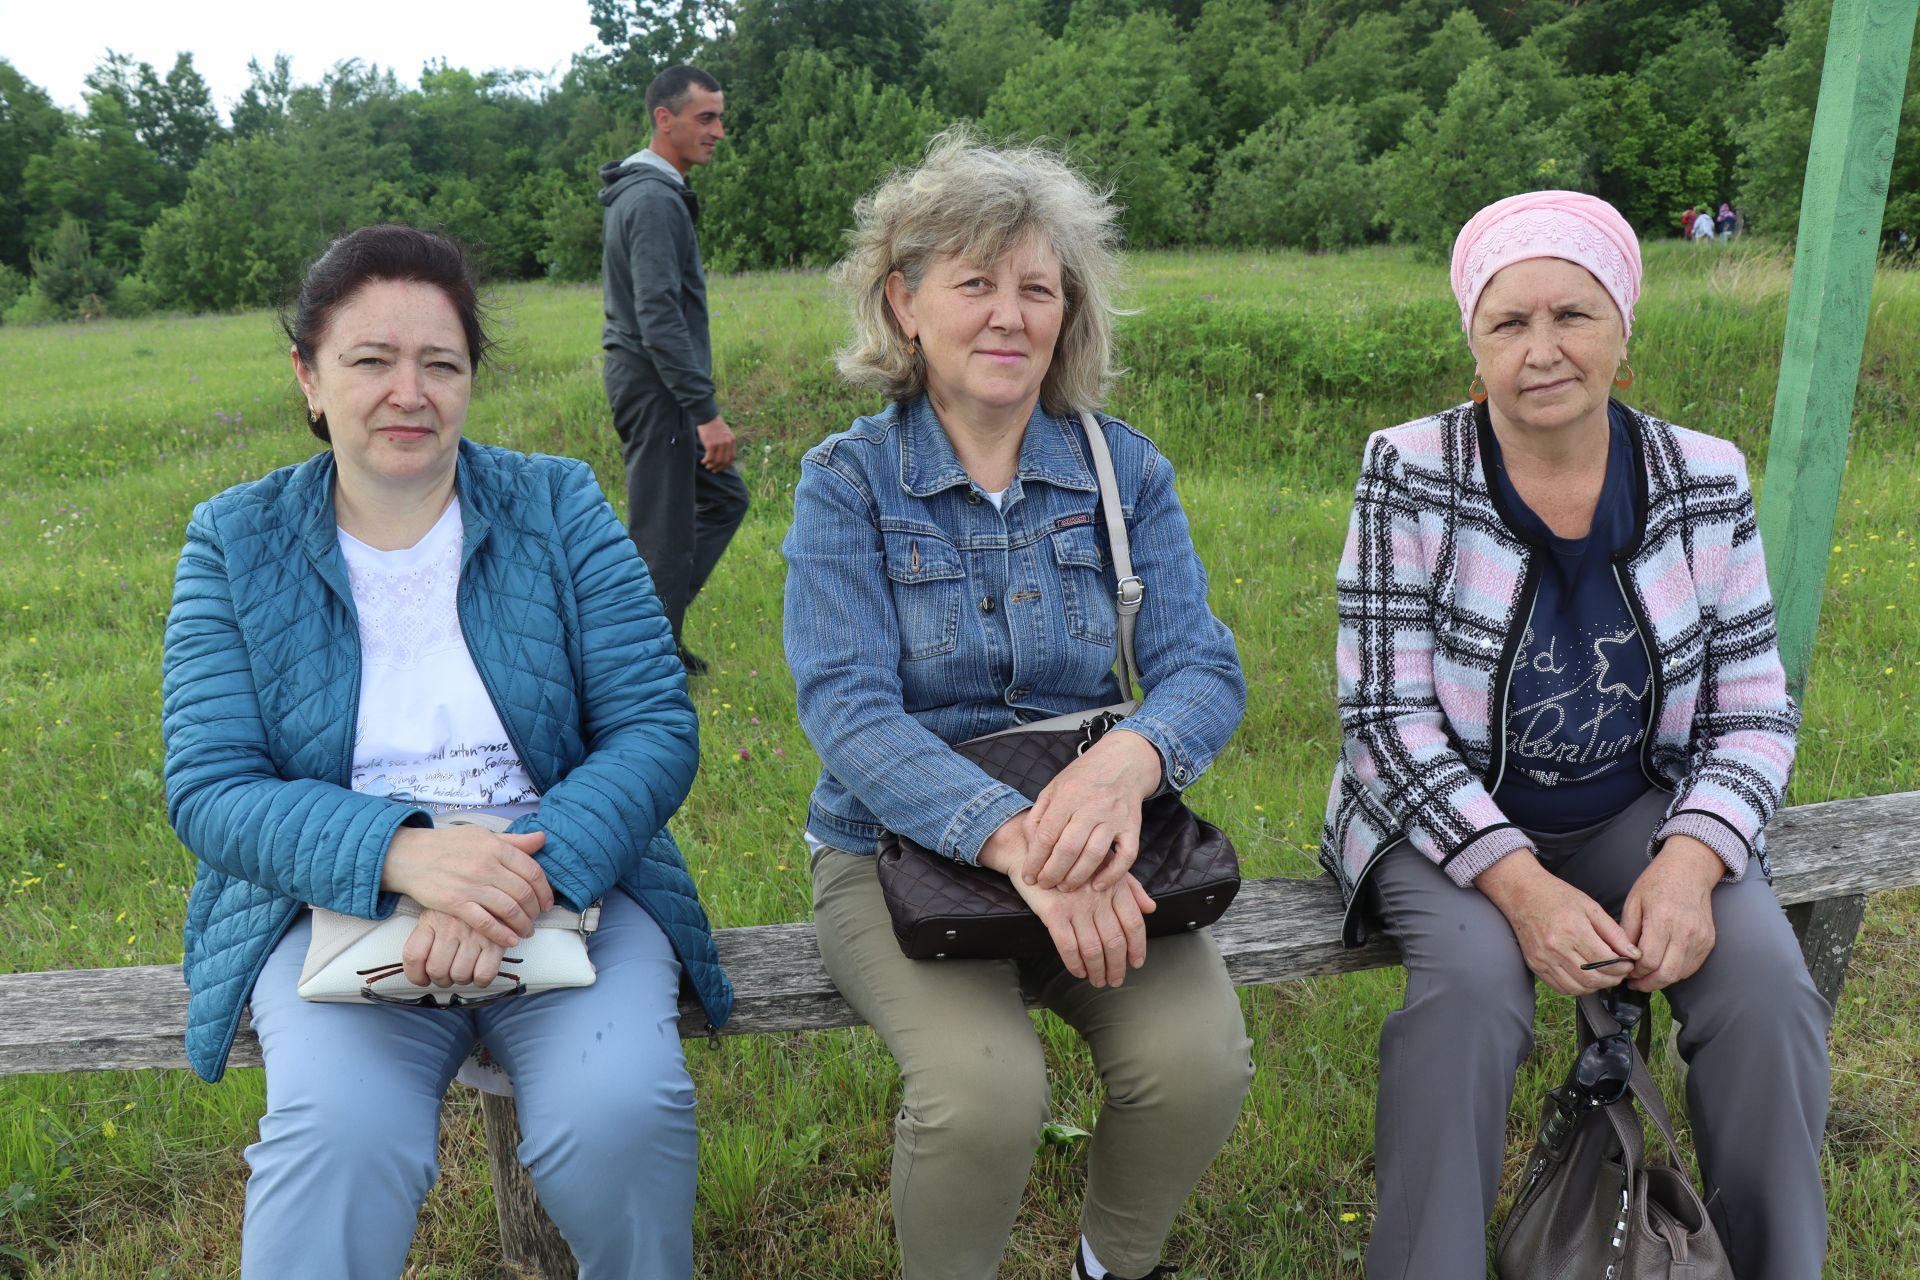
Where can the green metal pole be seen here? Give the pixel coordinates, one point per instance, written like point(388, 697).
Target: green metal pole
point(1862, 84)
point(1861, 87)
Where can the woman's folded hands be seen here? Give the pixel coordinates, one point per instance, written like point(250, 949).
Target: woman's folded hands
point(487, 881)
point(1068, 858)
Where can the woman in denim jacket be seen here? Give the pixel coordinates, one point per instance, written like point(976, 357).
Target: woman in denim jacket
point(948, 577)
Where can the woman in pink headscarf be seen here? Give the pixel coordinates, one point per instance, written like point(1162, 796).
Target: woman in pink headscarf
point(1565, 728)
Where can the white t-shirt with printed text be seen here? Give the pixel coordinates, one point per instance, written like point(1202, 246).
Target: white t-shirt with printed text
point(427, 731)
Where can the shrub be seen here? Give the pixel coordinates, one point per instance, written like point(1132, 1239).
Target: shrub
point(1296, 180)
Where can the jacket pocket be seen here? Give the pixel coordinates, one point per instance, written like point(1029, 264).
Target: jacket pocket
point(1086, 587)
point(926, 575)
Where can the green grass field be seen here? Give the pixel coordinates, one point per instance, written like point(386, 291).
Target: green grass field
point(1259, 374)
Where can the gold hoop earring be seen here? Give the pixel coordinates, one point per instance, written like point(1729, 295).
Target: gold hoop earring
point(1624, 382)
point(1477, 389)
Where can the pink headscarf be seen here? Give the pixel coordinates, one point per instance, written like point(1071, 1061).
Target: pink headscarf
point(1580, 228)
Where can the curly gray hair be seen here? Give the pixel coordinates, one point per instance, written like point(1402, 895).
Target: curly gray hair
point(978, 202)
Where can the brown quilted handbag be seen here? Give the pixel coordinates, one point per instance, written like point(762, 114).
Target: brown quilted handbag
point(943, 909)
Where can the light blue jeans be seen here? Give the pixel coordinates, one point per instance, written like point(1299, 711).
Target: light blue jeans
point(347, 1146)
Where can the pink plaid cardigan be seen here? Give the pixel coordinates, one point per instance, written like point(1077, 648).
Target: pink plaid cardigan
point(1432, 592)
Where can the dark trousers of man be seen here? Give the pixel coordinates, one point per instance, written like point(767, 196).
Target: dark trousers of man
point(680, 515)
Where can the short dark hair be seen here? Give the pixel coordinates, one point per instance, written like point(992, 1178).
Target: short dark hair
point(674, 86)
point(386, 252)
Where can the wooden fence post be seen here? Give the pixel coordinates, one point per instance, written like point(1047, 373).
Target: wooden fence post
point(1862, 85)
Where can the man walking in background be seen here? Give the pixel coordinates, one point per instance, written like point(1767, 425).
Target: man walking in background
point(684, 495)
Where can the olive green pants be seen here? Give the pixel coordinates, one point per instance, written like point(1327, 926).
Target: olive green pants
point(1169, 1043)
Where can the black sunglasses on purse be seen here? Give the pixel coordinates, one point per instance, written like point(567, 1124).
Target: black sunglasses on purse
point(942, 909)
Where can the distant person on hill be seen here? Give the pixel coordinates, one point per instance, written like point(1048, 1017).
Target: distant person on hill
point(685, 497)
point(1565, 728)
point(1686, 223)
point(1703, 227)
point(1725, 221)
point(949, 575)
point(407, 625)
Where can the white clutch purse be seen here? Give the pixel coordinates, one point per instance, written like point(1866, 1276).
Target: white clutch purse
point(351, 960)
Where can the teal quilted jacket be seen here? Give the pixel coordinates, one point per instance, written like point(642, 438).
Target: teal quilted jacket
point(261, 688)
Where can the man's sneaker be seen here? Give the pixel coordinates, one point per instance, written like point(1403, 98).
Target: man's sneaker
point(1080, 1269)
point(693, 662)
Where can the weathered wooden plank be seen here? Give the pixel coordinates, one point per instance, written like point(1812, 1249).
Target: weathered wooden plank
point(1278, 930)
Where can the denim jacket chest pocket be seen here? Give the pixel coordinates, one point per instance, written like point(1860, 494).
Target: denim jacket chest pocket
point(927, 579)
point(1086, 585)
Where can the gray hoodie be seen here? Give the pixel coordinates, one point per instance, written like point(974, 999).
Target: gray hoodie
point(656, 291)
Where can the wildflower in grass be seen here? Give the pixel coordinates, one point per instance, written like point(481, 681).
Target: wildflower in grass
point(1349, 1217)
point(779, 753)
point(745, 754)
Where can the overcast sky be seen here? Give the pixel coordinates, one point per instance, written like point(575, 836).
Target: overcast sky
point(54, 43)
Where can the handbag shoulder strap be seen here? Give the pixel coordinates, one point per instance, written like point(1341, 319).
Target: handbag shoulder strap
point(1129, 590)
point(1603, 1024)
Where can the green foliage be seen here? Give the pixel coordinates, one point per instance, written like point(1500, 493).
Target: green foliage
point(1296, 181)
point(1779, 126)
point(68, 276)
point(1367, 65)
point(886, 39)
point(262, 106)
point(102, 174)
point(1244, 65)
point(975, 47)
point(1487, 141)
point(1459, 43)
point(1126, 117)
point(12, 285)
point(172, 117)
point(133, 296)
point(29, 125)
point(259, 208)
point(831, 134)
point(1648, 166)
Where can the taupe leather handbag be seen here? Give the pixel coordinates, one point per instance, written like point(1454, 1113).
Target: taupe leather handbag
point(942, 909)
point(1592, 1203)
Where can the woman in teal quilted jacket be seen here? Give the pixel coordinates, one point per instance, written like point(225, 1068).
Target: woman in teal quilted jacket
point(409, 625)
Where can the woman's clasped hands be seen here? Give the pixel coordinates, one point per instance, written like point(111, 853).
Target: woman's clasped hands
point(1069, 857)
point(481, 891)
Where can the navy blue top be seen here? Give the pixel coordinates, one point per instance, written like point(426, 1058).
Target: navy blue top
point(1577, 712)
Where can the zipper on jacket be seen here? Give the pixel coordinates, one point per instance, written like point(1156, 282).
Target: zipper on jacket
point(1497, 729)
point(493, 695)
point(1653, 674)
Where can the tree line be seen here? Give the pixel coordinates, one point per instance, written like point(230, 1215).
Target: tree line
point(1318, 124)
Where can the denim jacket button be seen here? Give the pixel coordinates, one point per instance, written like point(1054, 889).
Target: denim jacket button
point(973, 497)
point(986, 604)
point(1014, 695)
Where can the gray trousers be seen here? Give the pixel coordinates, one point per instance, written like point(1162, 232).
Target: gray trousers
point(1753, 1035)
point(680, 515)
point(1169, 1043)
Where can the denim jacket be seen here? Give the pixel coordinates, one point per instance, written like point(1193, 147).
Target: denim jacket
point(918, 616)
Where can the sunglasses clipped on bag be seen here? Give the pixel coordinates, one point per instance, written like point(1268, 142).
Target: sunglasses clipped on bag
point(1603, 1072)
